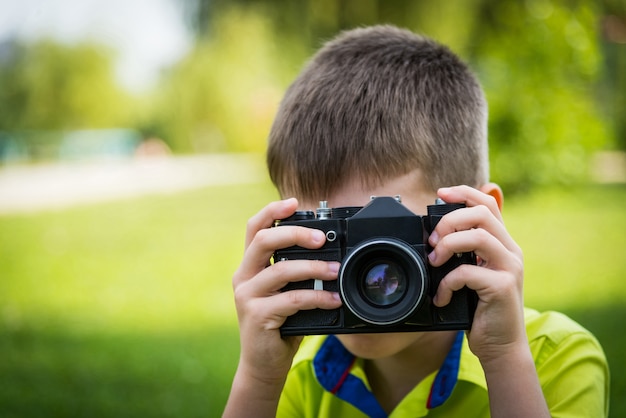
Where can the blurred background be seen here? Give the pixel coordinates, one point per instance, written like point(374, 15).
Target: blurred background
point(131, 155)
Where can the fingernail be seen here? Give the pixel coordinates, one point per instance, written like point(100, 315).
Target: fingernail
point(434, 238)
point(333, 267)
point(432, 257)
point(336, 296)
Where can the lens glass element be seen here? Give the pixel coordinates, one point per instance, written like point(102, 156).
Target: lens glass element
point(384, 284)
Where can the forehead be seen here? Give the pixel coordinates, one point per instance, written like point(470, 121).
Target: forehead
point(410, 187)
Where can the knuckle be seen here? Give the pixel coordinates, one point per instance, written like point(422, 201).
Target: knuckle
point(461, 272)
point(491, 201)
point(517, 250)
point(251, 224)
point(262, 238)
point(510, 284)
point(300, 235)
point(295, 298)
point(484, 210)
point(237, 278)
point(305, 299)
point(281, 268)
point(518, 270)
point(482, 237)
point(254, 223)
point(242, 300)
point(240, 290)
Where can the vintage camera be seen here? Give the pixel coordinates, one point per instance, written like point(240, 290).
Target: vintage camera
point(385, 281)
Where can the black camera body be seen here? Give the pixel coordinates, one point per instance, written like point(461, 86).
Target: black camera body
point(385, 281)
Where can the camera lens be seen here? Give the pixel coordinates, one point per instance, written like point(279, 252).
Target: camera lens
point(382, 281)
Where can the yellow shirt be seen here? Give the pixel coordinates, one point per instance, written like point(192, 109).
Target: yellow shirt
point(571, 365)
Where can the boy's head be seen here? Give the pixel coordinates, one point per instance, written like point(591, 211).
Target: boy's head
point(374, 104)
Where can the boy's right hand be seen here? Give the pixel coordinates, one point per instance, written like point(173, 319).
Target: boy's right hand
point(265, 356)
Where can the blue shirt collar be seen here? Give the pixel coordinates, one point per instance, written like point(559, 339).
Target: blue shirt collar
point(332, 365)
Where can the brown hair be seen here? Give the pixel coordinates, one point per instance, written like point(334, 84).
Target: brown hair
point(376, 103)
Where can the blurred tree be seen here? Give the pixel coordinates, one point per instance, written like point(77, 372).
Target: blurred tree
point(613, 93)
point(49, 86)
point(311, 21)
point(541, 63)
point(246, 54)
point(222, 96)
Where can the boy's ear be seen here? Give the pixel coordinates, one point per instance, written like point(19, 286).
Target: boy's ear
point(493, 190)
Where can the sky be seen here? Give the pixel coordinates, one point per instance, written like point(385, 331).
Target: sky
point(147, 34)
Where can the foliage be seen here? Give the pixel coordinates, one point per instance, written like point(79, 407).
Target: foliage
point(613, 87)
point(541, 64)
point(49, 86)
point(553, 73)
point(222, 96)
point(125, 308)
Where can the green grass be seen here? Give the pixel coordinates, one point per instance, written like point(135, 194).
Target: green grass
point(573, 243)
point(125, 309)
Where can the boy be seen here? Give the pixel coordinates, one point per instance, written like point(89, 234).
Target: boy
point(383, 112)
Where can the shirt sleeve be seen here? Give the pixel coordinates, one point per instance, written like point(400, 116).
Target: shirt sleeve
point(574, 375)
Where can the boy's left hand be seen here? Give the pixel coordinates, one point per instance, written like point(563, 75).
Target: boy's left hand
point(498, 329)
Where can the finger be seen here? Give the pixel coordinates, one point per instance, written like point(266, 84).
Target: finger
point(488, 284)
point(471, 197)
point(477, 217)
point(266, 241)
point(266, 217)
point(273, 278)
point(276, 309)
point(492, 252)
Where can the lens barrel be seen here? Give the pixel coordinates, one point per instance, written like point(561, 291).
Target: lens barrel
point(383, 281)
